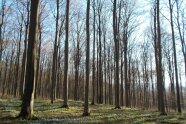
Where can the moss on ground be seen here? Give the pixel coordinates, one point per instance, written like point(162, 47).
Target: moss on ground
point(53, 113)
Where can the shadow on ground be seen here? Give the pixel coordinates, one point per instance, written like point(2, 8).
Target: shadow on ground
point(48, 113)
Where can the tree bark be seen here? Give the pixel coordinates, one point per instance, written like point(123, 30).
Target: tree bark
point(1, 27)
point(65, 83)
point(28, 97)
point(160, 70)
point(55, 55)
point(18, 58)
point(175, 57)
point(93, 60)
point(24, 60)
point(86, 108)
point(116, 42)
point(38, 74)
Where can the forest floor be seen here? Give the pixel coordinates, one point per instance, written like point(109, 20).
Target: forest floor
point(53, 113)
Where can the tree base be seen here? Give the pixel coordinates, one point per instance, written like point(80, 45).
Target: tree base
point(92, 103)
point(65, 106)
point(117, 107)
point(27, 117)
point(86, 114)
point(163, 114)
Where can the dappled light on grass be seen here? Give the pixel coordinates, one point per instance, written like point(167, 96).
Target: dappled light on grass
point(53, 113)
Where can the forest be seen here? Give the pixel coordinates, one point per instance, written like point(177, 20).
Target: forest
point(93, 61)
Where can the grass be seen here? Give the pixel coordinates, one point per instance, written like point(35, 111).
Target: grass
point(53, 113)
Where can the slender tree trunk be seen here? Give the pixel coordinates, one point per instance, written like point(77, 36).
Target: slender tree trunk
point(38, 74)
point(134, 84)
point(3, 2)
point(28, 97)
point(175, 58)
point(109, 77)
point(18, 60)
point(125, 73)
point(116, 42)
point(122, 101)
point(181, 35)
point(181, 89)
point(11, 71)
point(86, 107)
point(105, 69)
point(77, 64)
point(100, 59)
point(97, 74)
point(5, 78)
point(151, 76)
point(1, 27)
point(24, 60)
point(65, 83)
point(55, 55)
point(156, 53)
point(160, 70)
point(93, 63)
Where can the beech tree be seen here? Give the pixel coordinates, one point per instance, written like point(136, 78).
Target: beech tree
point(24, 58)
point(175, 56)
point(116, 43)
point(78, 36)
point(180, 16)
point(28, 97)
point(93, 59)
point(3, 4)
point(86, 108)
point(55, 55)
point(159, 63)
point(65, 83)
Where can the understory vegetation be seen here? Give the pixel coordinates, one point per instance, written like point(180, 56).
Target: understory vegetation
point(45, 112)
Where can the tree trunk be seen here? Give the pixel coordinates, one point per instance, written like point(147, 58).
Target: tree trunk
point(24, 60)
point(175, 58)
point(18, 59)
point(5, 77)
point(28, 97)
point(38, 74)
point(55, 55)
point(116, 42)
point(105, 69)
point(122, 101)
point(93, 59)
point(1, 27)
point(100, 58)
point(181, 33)
point(160, 70)
point(65, 83)
point(86, 108)
point(77, 64)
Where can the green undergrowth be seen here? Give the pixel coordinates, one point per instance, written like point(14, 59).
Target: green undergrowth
point(48, 113)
